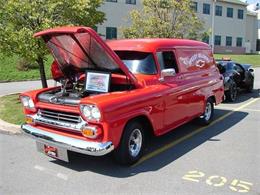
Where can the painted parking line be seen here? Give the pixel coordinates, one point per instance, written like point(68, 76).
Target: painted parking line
point(51, 172)
point(252, 110)
point(170, 145)
point(244, 109)
point(225, 107)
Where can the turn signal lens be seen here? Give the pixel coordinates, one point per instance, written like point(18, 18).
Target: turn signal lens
point(29, 120)
point(88, 132)
point(91, 132)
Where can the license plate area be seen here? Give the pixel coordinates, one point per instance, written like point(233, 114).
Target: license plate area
point(53, 151)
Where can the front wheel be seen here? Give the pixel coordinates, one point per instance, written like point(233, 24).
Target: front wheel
point(231, 94)
point(131, 146)
point(250, 87)
point(207, 116)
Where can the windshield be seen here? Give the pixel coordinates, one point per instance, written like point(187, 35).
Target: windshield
point(227, 65)
point(138, 62)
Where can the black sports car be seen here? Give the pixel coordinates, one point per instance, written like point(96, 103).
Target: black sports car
point(236, 76)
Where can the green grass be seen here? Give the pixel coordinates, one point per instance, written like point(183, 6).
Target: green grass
point(244, 59)
point(11, 109)
point(9, 71)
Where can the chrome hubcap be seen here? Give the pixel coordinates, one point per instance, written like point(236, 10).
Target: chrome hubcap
point(135, 142)
point(208, 111)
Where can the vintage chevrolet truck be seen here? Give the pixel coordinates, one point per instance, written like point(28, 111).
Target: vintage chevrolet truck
point(113, 94)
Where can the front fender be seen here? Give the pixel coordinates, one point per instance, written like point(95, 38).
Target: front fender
point(33, 95)
point(115, 127)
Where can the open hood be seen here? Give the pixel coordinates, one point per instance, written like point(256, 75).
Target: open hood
point(77, 49)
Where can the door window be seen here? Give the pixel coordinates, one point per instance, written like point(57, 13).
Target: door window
point(167, 60)
point(238, 68)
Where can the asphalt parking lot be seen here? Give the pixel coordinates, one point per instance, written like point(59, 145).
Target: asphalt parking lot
point(222, 158)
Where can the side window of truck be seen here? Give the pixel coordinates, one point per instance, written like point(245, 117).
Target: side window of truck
point(167, 60)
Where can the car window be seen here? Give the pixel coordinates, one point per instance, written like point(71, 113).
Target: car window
point(229, 65)
point(167, 60)
point(238, 68)
point(138, 62)
point(221, 67)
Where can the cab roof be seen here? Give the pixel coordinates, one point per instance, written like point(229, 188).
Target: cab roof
point(151, 45)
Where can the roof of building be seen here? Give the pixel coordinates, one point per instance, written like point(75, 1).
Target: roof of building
point(235, 2)
point(151, 45)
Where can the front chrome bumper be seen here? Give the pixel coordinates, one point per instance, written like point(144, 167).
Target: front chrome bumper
point(68, 143)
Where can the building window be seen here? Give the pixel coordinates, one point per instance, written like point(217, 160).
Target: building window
point(218, 10)
point(111, 33)
point(230, 12)
point(240, 14)
point(239, 42)
point(206, 8)
point(194, 6)
point(228, 41)
point(95, 28)
point(217, 40)
point(130, 2)
point(205, 39)
point(258, 45)
point(115, 1)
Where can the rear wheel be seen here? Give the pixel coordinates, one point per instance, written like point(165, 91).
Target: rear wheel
point(131, 146)
point(231, 94)
point(207, 116)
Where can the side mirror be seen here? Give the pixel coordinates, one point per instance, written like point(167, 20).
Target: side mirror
point(251, 70)
point(167, 73)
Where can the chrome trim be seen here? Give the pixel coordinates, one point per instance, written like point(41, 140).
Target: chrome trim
point(68, 143)
point(60, 116)
point(57, 124)
point(72, 126)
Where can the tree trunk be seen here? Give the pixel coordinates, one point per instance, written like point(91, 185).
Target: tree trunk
point(42, 72)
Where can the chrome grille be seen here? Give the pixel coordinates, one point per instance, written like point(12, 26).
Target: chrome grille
point(59, 116)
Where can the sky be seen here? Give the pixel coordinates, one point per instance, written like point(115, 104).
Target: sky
point(252, 1)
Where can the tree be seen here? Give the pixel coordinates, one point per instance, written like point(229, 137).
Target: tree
point(20, 19)
point(164, 19)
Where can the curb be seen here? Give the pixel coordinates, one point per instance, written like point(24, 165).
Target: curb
point(8, 81)
point(8, 128)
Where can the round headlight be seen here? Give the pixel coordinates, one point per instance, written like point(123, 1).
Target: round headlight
point(96, 113)
point(27, 102)
point(30, 103)
point(86, 110)
point(90, 112)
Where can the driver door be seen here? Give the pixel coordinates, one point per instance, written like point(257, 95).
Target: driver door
point(173, 96)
